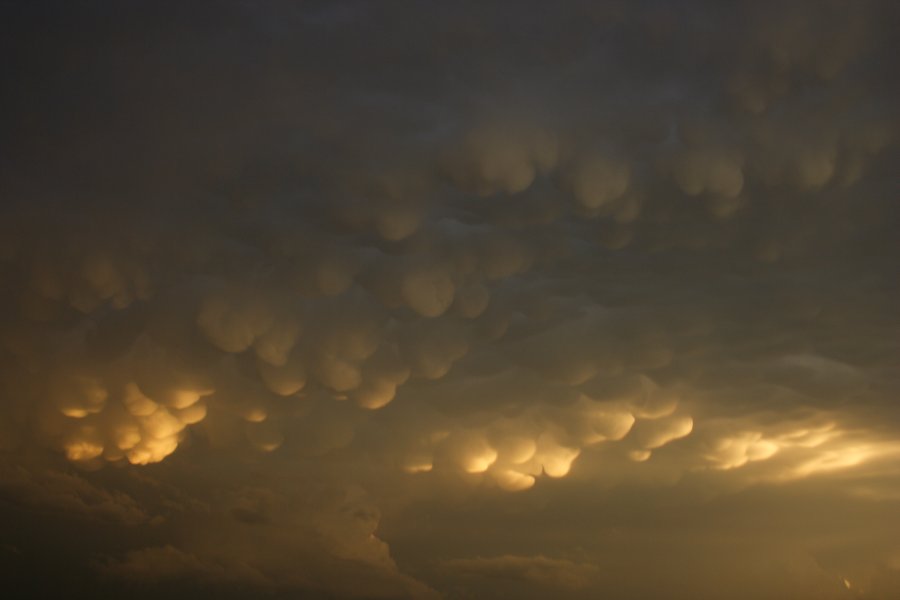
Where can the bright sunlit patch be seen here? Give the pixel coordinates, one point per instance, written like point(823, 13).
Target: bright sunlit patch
point(736, 451)
point(152, 451)
point(517, 450)
point(74, 412)
point(193, 414)
point(810, 437)
point(657, 433)
point(513, 481)
point(256, 415)
point(161, 424)
point(639, 455)
point(797, 453)
point(831, 460)
point(418, 463)
point(127, 437)
point(418, 468)
point(78, 396)
point(83, 450)
point(269, 446)
point(555, 459)
point(184, 398)
point(481, 462)
point(136, 402)
point(605, 424)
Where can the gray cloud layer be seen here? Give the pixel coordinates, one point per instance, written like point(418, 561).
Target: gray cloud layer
point(452, 300)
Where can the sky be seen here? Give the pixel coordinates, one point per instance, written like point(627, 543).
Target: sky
point(461, 300)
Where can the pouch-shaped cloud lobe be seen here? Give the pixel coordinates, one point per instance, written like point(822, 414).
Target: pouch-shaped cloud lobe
point(450, 299)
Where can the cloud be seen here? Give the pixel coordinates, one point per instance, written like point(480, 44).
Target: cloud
point(348, 292)
point(168, 563)
point(253, 538)
point(540, 570)
point(57, 492)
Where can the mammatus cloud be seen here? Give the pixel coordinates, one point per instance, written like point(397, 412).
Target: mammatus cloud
point(373, 300)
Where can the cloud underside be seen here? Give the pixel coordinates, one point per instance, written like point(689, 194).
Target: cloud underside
point(375, 300)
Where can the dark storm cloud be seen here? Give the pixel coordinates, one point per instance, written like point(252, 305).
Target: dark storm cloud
point(450, 299)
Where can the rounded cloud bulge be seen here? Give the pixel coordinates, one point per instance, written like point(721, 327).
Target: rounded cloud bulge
point(460, 300)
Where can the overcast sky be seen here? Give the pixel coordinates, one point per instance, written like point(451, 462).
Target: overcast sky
point(463, 300)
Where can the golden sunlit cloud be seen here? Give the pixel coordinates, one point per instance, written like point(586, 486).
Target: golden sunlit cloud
point(407, 300)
